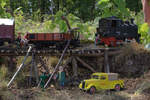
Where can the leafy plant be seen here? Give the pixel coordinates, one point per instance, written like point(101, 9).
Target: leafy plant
point(113, 8)
point(145, 34)
point(3, 12)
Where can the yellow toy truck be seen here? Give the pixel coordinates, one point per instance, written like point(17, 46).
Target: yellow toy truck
point(101, 81)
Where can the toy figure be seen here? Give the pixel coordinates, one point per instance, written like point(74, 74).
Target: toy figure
point(61, 77)
point(43, 79)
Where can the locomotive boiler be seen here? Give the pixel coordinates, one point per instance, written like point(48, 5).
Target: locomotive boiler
point(113, 31)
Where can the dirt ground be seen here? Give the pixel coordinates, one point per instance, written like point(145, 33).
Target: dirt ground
point(135, 89)
point(74, 93)
point(52, 94)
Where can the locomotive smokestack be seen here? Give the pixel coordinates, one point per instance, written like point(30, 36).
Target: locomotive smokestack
point(132, 21)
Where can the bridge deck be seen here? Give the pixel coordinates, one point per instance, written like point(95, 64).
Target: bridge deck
point(53, 52)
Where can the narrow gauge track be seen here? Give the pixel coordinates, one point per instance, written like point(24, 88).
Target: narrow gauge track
point(53, 52)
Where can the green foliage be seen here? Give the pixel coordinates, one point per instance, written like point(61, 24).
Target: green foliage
point(145, 34)
point(86, 10)
point(19, 19)
point(103, 1)
point(3, 12)
point(36, 15)
point(59, 22)
point(134, 5)
point(114, 8)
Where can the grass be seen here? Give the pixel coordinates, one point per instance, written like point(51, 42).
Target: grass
point(3, 72)
point(143, 86)
point(54, 61)
point(7, 95)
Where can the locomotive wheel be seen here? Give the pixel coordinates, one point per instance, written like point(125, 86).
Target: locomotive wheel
point(59, 47)
point(113, 44)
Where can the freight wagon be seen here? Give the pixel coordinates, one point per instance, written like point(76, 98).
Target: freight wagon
point(7, 31)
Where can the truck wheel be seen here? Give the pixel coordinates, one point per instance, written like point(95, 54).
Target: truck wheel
point(92, 90)
point(117, 87)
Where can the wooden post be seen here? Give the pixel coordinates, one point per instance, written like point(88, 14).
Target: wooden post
point(35, 68)
point(75, 67)
point(107, 70)
point(22, 64)
point(11, 63)
point(100, 63)
point(30, 79)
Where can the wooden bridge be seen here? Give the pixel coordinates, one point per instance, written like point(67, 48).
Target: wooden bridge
point(53, 52)
point(76, 53)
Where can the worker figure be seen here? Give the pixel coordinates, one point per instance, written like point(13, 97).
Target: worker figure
point(25, 40)
point(19, 40)
point(43, 79)
point(97, 40)
point(61, 77)
point(18, 37)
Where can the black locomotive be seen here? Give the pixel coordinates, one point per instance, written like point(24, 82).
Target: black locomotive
point(113, 31)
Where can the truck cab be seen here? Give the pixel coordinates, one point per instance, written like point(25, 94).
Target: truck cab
point(102, 81)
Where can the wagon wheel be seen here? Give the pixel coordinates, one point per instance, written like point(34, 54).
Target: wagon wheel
point(92, 90)
point(112, 43)
point(1, 43)
point(117, 87)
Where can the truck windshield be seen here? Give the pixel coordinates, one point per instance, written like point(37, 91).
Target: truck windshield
point(94, 76)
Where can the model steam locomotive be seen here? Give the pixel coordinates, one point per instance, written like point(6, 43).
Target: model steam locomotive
point(113, 31)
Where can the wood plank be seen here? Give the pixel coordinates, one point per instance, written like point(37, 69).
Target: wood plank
point(107, 69)
point(75, 67)
point(85, 64)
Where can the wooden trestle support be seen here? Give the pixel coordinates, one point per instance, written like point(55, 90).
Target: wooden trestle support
point(74, 57)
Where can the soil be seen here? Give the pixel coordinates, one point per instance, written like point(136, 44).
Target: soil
point(69, 94)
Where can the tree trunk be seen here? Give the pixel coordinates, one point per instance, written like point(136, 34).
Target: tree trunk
point(146, 10)
point(11, 64)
